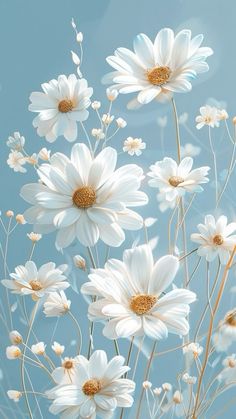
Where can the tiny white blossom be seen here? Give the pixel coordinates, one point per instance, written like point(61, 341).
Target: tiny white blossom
point(79, 37)
point(157, 391)
point(121, 123)
point(98, 133)
point(20, 219)
point(75, 58)
point(16, 161)
point(222, 114)
point(58, 348)
point(96, 105)
point(111, 94)
point(107, 118)
point(193, 349)
point(16, 142)
point(209, 116)
point(15, 337)
point(188, 379)
point(38, 348)
point(13, 352)
point(44, 154)
point(34, 237)
point(134, 146)
point(79, 262)
point(14, 395)
point(147, 385)
point(167, 386)
point(56, 304)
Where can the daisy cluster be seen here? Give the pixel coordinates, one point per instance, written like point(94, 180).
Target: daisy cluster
point(86, 198)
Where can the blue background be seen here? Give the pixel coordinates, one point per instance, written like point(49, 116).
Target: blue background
point(36, 39)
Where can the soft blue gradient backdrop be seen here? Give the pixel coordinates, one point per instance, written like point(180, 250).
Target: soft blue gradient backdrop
point(36, 39)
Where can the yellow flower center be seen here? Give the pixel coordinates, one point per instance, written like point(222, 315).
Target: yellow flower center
point(35, 285)
point(175, 181)
point(231, 319)
point(84, 197)
point(65, 105)
point(218, 240)
point(91, 387)
point(232, 363)
point(68, 364)
point(142, 303)
point(158, 75)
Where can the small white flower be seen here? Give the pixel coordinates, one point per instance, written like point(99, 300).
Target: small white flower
point(28, 280)
point(56, 304)
point(16, 161)
point(34, 237)
point(215, 238)
point(209, 116)
point(44, 154)
point(193, 349)
point(66, 373)
point(79, 262)
point(162, 121)
point(15, 337)
point(20, 219)
point(96, 388)
point(58, 348)
point(33, 159)
point(96, 105)
point(134, 146)
point(189, 150)
point(79, 37)
point(62, 103)
point(147, 385)
point(174, 180)
point(144, 308)
point(38, 348)
point(9, 213)
point(13, 352)
point(228, 375)
point(227, 326)
point(111, 94)
point(107, 118)
point(167, 386)
point(121, 123)
point(177, 397)
point(221, 341)
point(157, 391)
point(188, 379)
point(16, 142)
point(222, 114)
point(14, 395)
point(98, 133)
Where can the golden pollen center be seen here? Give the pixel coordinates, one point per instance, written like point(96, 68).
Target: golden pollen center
point(84, 197)
point(65, 105)
point(218, 240)
point(142, 303)
point(35, 285)
point(68, 365)
point(175, 181)
point(231, 319)
point(91, 387)
point(158, 75)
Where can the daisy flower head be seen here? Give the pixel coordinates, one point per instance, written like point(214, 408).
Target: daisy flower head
point(130, 296)
point(97, 388)
point(156, 70)
point(215, 238)
point(16, 161)
point(28, 280)
point(85, 198)
point(60, 106)
point(208, 116)
point(174, 180)
point(65, 374)
point(56, 304)
point(134, 146)
point(16, 141)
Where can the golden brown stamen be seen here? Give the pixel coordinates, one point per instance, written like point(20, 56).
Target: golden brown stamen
point(142, 303)
point(67, 364)
point(175, 181)
point(91, 387)
point(158, 75)
point(65, 105)
point(84, 197)
point(35, 285)
point(232, 363)
point(231, 318)
point(218, 240)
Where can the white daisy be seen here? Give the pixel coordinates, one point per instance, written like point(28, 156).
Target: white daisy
point(131, 296)
point(62, 103)
point(228, 375)
point(209, 116)
point(37, 282)
point(16, 142)
point(85, 197)
point(16, 161)
point(66, 373)
point(97, 389)
point(56, 304)
point(58, 348)
point(134, 146)
point(215, 238)
point(193, 350)
point(174, 180)
point(157, 70)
